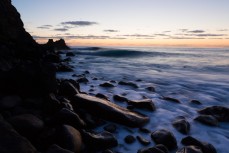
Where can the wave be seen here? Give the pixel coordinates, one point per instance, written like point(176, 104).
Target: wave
point(121, 52)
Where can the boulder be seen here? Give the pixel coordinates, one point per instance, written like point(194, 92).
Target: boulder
point(82, 80)
point(197, 102)
point(143, 141)
point(9, 102)
point(143, 104)
point(69, 138)
point(57, 149)
point(150, 88)
point(99, 95)
point(106, 84)
point(129, 139)
point(207, 119)
point(156, 149)
point(70, 54)
point(205, 147)
point(181, 124)
point(67, 89)
point(12, 142)
point(97, 142)
point(109, 111)
point(219, 112)
point(66, 116)
point(110, 128)
point(164, 137)
point(144, 130)
point(171, 99)
point(27, 125)
point(131, 84)
point(63, 67)
point(120, 98)
point(190, 149)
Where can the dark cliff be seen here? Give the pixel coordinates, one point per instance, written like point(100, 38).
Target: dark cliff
point(57, 45)
point(22, 64)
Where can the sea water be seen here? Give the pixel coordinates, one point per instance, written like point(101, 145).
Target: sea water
point(182, 73)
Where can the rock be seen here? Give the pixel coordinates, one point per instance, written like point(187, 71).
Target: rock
point(70, 54)
point(57, 149)
point(61, 67)
point(86, 72)
point(9, 102)
point(120, 98)
point(143, 141)
point(11, 141)
point(205, 147)
point(171, 99)
point(109, 111)
point(107, 151)
point(57, 45)
point(82, 80)
point(69, 138)
point(181, 124)
point(106, 84)
point(219, 112)
point(95, 79)
point(197, 102)
point(207, 119)
point(99, 95)
point(129, 139)
point(190, 149)
point(52, 104)
point(131, 84)
point(144, 104)
point(67, 89)
point(110, 128)
point(152, 89)
point(102, 141)
point(164, 137)
point(65, 116)
point(27, 125)
point(53, 58)
point(144, 130)
point(156, 149)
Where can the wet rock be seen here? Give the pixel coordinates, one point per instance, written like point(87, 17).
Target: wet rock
point(197, 102)
point(131, 84)
point(156, 149)
point(207, 119)
point(110, 128)
point(144, 130)
point(82, 80)
point(143, 104)
point(27, 125)
point(65, 116)
point(70, 54)
point(152, 89)
point(164, 137)
point(68, 59)
point(64, 68)
point(109, 111)
point(143, 141)
point(53, 58)
point(12, 142)
point(69, 138)
point(139, 80)
point(181, 124)
point(86, 72)
point(205, 147)
point(120, 98)
point(190, 149)
point(10, 102)
point(67, 89)
point(113, 81)
point(171, 99)
point(102, 141)
point(57, 149)
point(99, 95)
point(106, 84)
point(219, 112)
point(129, 139)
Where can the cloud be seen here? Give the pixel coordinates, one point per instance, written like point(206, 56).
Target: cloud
point(79, 23)
point(208, 35)
point(223, 30)
point(45, 26)
point(166, 31)
point(137, 35)
point(172, 37)
point(161, 34)
point(183, 30)
point(61, 29)
point(110, 30)
point(196, 31)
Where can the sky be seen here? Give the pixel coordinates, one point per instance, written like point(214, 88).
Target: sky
point(202, 23)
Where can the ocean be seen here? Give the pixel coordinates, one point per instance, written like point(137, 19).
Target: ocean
point(182, 73)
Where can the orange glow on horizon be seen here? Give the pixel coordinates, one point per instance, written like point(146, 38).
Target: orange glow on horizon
point(146, 42)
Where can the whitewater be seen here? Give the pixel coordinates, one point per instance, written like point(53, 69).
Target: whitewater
point(182, 73)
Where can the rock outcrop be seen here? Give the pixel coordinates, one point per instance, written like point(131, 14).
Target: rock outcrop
point(56, 45)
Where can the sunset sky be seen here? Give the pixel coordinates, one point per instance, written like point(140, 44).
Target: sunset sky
point(202, 23)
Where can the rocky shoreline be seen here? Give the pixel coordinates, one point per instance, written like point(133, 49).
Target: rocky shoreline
point(40, 113)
